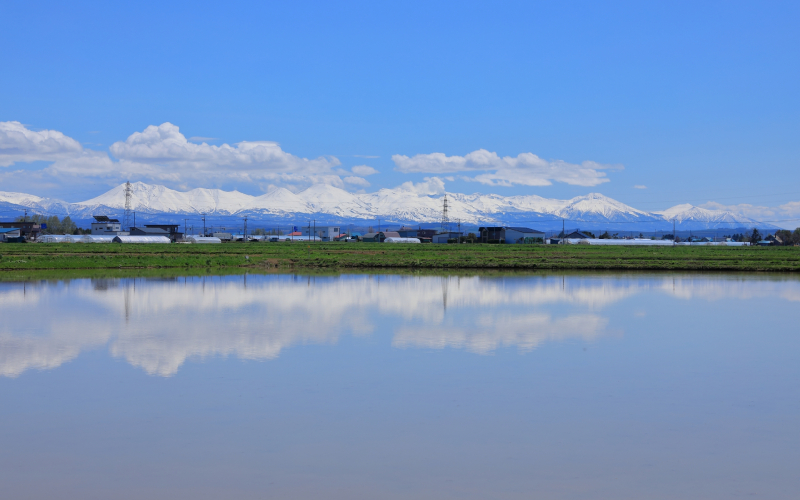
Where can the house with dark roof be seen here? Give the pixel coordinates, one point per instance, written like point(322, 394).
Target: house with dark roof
point(28, 230)
point(507, 234)
point(379, 237)
point(406, 232)
point(149, 231)
point(577, 235)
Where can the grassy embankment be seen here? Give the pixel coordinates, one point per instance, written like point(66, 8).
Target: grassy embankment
point(285, 256)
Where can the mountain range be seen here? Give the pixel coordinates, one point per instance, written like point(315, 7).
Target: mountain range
point(325, 203)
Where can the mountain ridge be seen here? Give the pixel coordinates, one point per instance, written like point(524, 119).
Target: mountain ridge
point(398, 205)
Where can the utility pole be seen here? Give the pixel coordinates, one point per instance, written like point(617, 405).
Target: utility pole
point(128, 198)
point(563, 231)
point(184, 226)
point(674, 236)
point(204, 224)
point(245, 229)
point(445, 218)
point(315, 229)
point(25, 218)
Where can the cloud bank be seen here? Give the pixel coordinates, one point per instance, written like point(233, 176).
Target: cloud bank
point(19, 144)
point(162, 153)
point(526, 169)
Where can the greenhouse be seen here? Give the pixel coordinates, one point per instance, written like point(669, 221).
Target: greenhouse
point(58, 238)
point(89, 238)
point(141, 239)
point(203, 239)
point(393, 239)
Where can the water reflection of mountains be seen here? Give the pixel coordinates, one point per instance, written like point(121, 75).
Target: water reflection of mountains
point(156, 324)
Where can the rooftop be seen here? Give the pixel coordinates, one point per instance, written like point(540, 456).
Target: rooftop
point(103, 218)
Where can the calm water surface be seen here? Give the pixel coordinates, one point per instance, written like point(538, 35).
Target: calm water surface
point(383, 386)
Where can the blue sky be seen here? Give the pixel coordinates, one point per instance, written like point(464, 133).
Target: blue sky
point(697, 101)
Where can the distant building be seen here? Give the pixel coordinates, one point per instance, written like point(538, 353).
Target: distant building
point(105, 226)
point(222, 236)
point(379, 237)
point(446, 236)
point(492, 234)
point(577, 235)
point(27, 229)
point(523, 235)
point(10, 234)
point(505, 234)
point(324, 233)
point(172, 230)
point(149, 231)
point(371, 238)
point(408, 232)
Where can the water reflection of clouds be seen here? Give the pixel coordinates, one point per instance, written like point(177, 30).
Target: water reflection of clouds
point(489, 332)
point(158, 324)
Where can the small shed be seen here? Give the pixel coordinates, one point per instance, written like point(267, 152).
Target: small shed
point(140, 239)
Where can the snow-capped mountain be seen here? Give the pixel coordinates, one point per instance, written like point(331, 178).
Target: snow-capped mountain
point(702, 217)
point(324, 202)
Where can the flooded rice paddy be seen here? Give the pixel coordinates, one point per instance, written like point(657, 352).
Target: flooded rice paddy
point(400, 386)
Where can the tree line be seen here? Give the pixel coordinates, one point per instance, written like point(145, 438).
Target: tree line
point(54, 224)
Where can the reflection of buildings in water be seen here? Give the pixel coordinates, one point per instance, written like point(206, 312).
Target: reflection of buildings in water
point(158, 324)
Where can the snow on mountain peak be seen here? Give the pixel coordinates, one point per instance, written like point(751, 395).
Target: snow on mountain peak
point(388, 204)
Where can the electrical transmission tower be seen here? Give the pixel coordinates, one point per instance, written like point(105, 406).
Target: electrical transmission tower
point(128, 196)
point(445, 218)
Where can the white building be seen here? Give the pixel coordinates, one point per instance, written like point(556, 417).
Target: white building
point(103, 226)
point(522, 235)
point(324, 233)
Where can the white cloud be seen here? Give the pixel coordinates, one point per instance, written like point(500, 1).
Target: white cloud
point(639, 186)
point(87, 163)
point(526, 169)
point(168, 153)
point(356, 181)
point(20, 144)
point(430, 186)
point(162, 153)
point(199, 138)
point(363, 170)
